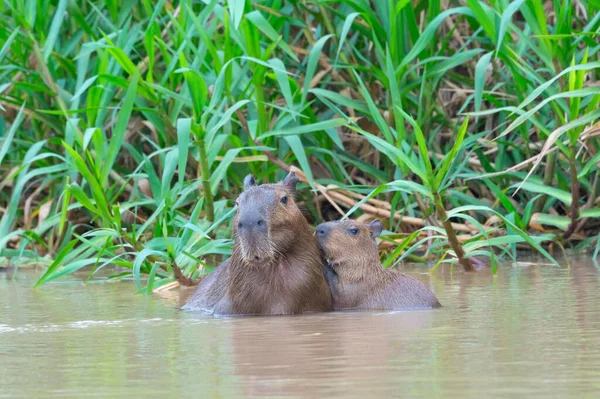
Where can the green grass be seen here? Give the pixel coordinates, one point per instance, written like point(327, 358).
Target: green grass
point(126, 130)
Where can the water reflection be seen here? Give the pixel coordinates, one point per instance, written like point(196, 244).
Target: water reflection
point(297, 355)
point(531, 330)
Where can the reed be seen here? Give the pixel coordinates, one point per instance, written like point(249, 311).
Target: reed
point(470, 127)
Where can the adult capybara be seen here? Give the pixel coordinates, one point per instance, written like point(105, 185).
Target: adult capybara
point(355, 275)
point(275, 267)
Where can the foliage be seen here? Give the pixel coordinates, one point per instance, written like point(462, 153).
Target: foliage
point(127, 129)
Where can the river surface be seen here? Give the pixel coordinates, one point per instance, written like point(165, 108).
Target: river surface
point(531, 331)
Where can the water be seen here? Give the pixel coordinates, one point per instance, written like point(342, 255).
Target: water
point(532, 331)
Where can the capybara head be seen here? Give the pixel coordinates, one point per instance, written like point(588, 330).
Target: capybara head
point(351, 241)
point(267, 220)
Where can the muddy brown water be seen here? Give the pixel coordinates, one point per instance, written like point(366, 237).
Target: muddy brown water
point(532, 331)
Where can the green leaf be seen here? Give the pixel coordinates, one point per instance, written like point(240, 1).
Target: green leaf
point(219, 174)
point(187, 233)
point(120, 129)
point(296, 145)
point(82, 198)
point(265, 27)
point(311, 66)
point(8, 138)
point(493, 263)
point(57, 23)
point(484, 19)
point(302, 129)
point(196, 86)
point(151, 278)
point(282, 79)
point(123, 60)
point(480, 70)
point(429, 32)
point(506, 19)
point(527, 115)
point(339, 99)
point(395, 154)
point(379, 121)
point(7, 43)
point(184, 126)
point(171, 161)
point(494, 241)
point(422, 144)
point(526, 237)
point(561, 222)
point(223, 119)
point(410, 187)
point(557, 133)
point(149, 222)
point(449, 158)
point(441, 235)
point(504, 200)
point(542, 88)
point(589, 213)
point(395, 94)
point(23, 176)
point(372, 194)
point(593, 162)
point(64, 209)
point(137, 264)
point(392, 257)
point(236, 10)
point(95, 186)
point(345, 29)
point(56, 263)
point(561, 195)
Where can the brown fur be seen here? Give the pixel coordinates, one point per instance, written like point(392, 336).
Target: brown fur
point(287, 278)
point(355, 275)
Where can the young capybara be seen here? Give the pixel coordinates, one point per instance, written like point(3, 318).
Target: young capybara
point(355, 275)
point(275, 267)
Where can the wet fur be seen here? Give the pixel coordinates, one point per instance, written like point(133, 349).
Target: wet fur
point(358, 281)
point(291, 280)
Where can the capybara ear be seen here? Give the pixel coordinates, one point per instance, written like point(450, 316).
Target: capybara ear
point(375, 227)
point(249, 181)
point(290, 181)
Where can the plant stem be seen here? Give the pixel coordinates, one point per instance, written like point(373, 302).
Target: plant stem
point(183, 280)
point(177, 273)
point(548, 177)
point(458, 250)
point(574, 193)
point(428, 111)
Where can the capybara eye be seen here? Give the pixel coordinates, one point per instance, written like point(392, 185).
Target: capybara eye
point(353, 231)
point(283, 200)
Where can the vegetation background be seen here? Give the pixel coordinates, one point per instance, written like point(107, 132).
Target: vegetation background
point(470, 127)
